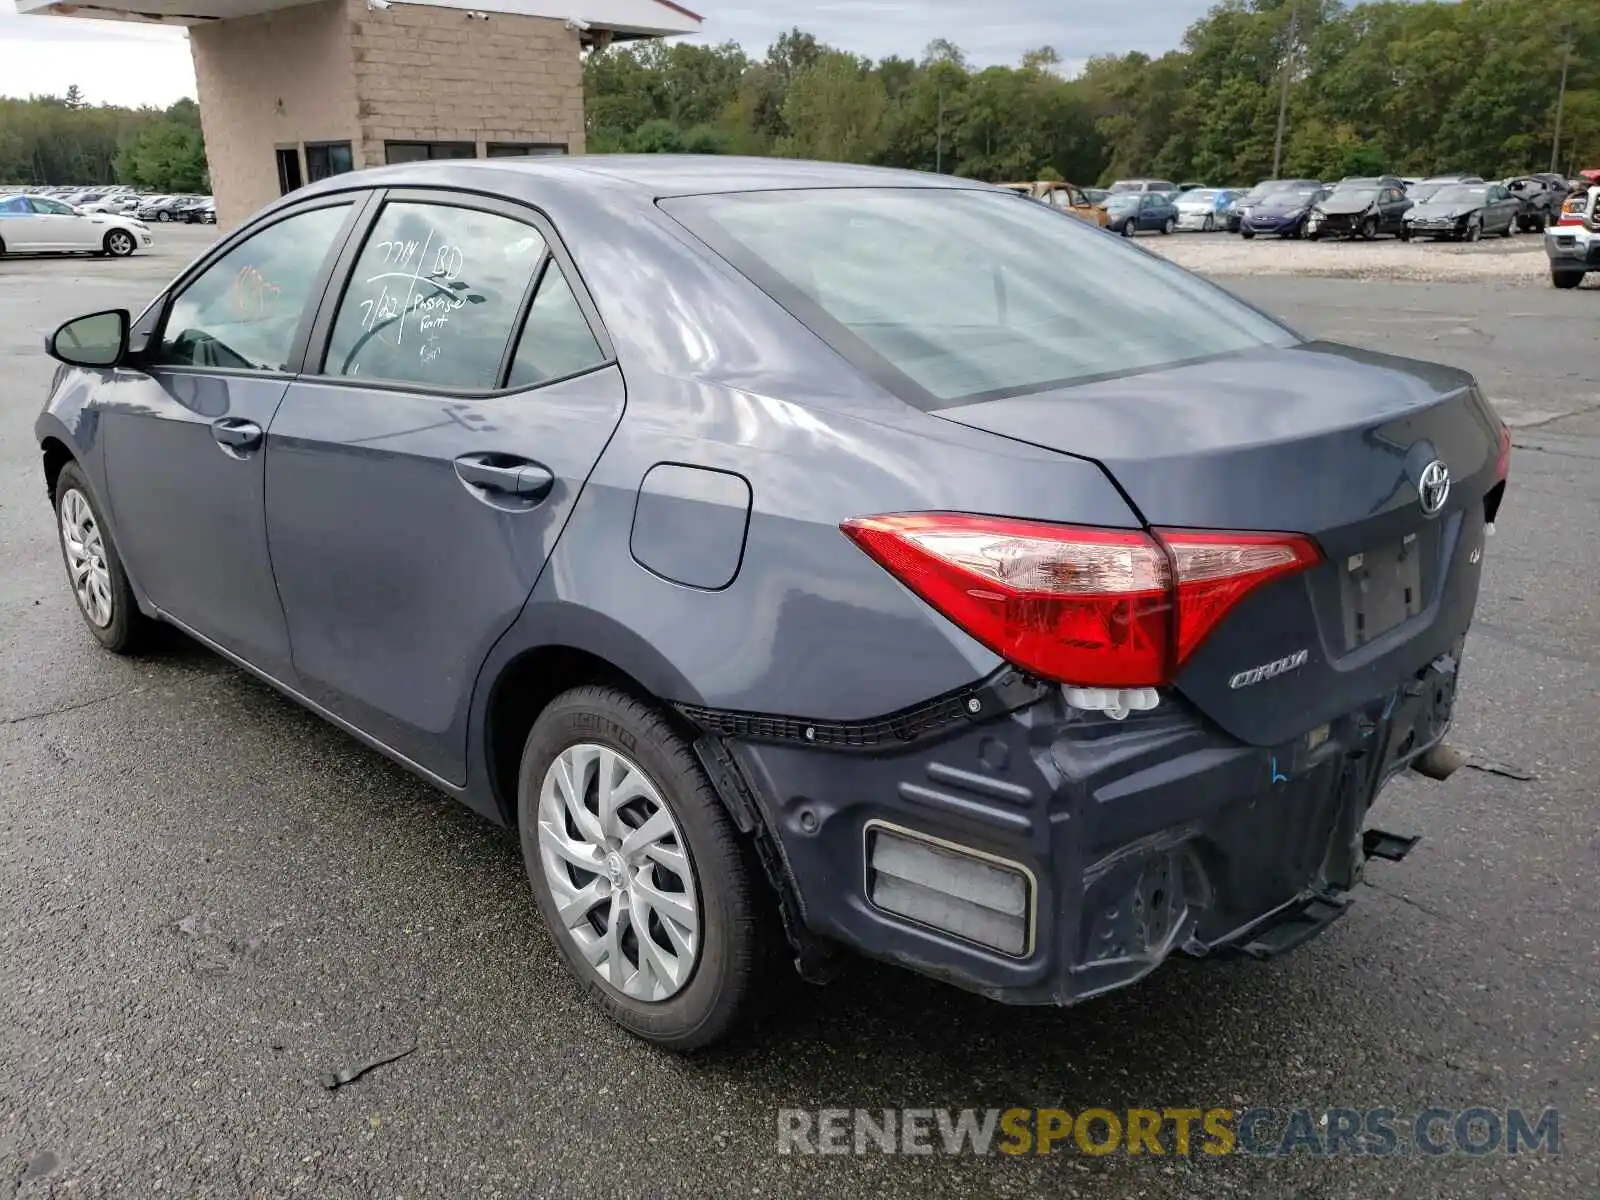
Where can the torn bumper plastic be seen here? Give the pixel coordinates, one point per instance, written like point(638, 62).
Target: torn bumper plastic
point(1136, 839)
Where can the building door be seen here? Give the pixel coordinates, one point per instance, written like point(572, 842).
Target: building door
point(289, 177)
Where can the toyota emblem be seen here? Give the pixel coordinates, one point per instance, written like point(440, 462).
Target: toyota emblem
point(1433, 489)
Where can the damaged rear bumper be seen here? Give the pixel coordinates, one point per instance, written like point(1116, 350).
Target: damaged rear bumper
point(1115, 844)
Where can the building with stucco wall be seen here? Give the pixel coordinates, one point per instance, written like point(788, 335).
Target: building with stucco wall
point(295, 90)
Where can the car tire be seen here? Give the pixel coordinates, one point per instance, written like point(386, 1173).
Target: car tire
point(118, 243)
point(1369, 229)
point(1209, 225)
point(1405, 234)
point(736, 943)
point(163, 215)
point(1128, 229)
point(1247, 234)
point(1511, 228)
point(1169, 225)
point(1474, 232)
point(94, 568)
point(1566, 279)
point(2, 247)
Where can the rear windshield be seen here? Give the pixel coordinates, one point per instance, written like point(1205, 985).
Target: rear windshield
point(949, 295)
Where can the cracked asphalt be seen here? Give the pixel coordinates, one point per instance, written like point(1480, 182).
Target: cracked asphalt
point(210, 900)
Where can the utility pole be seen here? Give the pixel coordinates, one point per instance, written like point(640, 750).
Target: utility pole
point(1561, 103)
point(1283, 94)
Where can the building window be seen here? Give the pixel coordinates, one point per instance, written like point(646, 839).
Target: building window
point(517, 149)
point(328, 158)
point(288, 170)
point(404, 152)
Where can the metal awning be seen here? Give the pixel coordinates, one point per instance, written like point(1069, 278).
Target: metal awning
point(622, 18)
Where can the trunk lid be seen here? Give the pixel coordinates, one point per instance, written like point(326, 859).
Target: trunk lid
point(1317, 439)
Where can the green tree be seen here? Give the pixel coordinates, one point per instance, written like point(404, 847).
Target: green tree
point(835, 110)
point(169, 156)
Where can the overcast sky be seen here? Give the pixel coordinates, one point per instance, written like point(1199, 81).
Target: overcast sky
point(120, 63)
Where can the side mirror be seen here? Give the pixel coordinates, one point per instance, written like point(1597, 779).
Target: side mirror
point(97, 340)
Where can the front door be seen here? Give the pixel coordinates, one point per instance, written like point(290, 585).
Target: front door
point(185, 432)
point(60, 227)
point(416, 486)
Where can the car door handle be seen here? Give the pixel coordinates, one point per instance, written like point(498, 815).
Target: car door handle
point(235, 433)
point(504, 475)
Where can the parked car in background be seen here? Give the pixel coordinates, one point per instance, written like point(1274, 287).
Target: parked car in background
point(1464, 212)
point(1068, 197)
point(1097, 195)
point(1241, 206)
point(201, 212)
point(1358, 209)
point(1189, 187)
point(1165, 186)
point(1282, 212)
point(1203, 208)
point(1423, 189)
point(1129, 213)
point(43, 224)
point(1573, 243)
point(1000, 602)
point(1540, 198)
point(1393, 181)
point(159, 208)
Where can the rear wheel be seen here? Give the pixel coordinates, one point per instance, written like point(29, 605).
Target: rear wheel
point(645, 885)
point(1511, 227)
point(163, 215)
point(1566, 279)
point(119, 243)
point(94, 569)
point(1169, 225)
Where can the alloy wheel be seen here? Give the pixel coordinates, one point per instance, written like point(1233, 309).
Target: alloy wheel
point(86, 558)
point(618, 869)
point(119, 243)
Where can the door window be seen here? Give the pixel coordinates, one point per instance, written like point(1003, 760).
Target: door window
point(242, 311)
point(434, 297)
point(54, 208)
point(17, 205)
point(556, 340)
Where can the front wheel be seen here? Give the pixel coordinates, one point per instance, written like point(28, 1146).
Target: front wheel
point(1127, 229)
point(1369, 229)
point(1169, 225)
point(163, 216)
point(656, 903)
point(1474, 232)
point(119, 243)
point(94, 569)
point(1511, 227)
point(1405, 234)
point(1247, 234)
point(1209, 224)
point(1566, 279)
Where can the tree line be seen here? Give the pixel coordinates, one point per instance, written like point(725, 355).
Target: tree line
point(1407, 87)
point(1413, 88)
point(66, 139)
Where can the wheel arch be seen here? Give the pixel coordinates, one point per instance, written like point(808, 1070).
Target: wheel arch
point(56, 454)
point(554, 647)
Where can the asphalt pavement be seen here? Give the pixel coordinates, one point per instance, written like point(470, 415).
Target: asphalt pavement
point(210, 900)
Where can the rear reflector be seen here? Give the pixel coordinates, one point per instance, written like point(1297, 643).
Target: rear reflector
point(950, 888)
point(1110, 608)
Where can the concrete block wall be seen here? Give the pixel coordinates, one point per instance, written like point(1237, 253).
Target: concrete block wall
point(436, 74)
point(282, 78)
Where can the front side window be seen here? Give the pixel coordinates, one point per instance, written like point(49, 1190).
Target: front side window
point(434, 297)
point(962, 294)
point(54, 208)
point(243, 310)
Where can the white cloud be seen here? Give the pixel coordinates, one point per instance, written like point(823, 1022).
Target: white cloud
point(113, 62)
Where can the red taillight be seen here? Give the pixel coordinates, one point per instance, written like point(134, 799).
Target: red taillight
point(1502, 462)
point(1096, 607)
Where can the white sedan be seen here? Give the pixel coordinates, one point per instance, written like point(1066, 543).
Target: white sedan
point(38, 223)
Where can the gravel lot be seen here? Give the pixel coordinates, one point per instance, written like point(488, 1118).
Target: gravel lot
point(209, 899)
point(1518, 259)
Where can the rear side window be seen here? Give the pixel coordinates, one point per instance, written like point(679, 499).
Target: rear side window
point(242, 311)
point(556, 341)
point(434, 297)
point(948, 295)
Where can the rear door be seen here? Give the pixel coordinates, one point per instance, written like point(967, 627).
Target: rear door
point(1392, 205)
point(418, 479)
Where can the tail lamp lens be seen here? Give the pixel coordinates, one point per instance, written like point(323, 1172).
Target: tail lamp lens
point(1096, 607)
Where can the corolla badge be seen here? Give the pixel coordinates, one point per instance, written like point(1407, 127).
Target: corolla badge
point(1289, 662)
point(1433, 487)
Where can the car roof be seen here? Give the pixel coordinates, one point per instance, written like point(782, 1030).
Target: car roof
point(656, 175)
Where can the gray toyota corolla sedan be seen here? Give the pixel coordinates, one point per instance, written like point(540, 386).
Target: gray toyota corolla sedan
point(802, 558)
